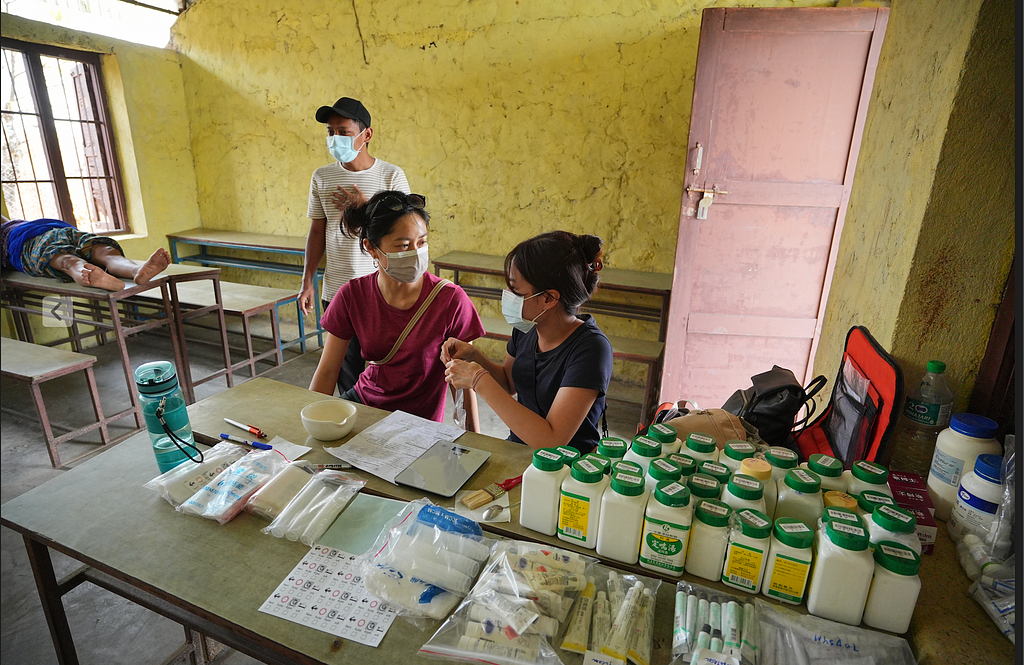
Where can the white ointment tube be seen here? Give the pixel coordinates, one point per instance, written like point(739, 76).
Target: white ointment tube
point(539, 555)
point(493, 648)
point(576, 637)
point(518, 613)
point(622, 627)
point(602, 622)
point(548, 601)
point(643, 631)
point(615, 593)
point(484, 614)
point(491, 631)
point(555, 581)
point(732, 621)
point(751, 638)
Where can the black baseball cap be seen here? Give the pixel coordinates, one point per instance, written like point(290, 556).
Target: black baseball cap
point(346, 107)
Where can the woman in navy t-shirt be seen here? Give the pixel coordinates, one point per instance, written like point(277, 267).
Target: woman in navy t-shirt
point(558, 363)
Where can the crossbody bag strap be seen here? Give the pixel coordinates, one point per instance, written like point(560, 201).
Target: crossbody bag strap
point(412, 322)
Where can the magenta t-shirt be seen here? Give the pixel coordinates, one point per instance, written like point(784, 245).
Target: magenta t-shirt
point(413, 381)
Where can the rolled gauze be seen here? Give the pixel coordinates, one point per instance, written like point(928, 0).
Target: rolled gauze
point(271, 499)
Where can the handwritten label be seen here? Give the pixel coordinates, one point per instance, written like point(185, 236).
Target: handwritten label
point(594, 658)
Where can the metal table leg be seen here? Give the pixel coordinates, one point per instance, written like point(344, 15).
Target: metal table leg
point(53, 608)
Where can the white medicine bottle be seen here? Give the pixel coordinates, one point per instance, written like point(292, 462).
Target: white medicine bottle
point(603, 463)
point(869, 499)
point(579, 512)
point(800, 497)
point(687, 464)
point(956, 450)
point(781, 460)
point(622, 518)
point(978, 499)
point(842, 573)
point(703, 486)
point(894, 587)
point(841, 514)
point(892, 523)
point(667, 436)
point(625, 466)
point(709, 537)
point(542, 485)
point(667, 523)
point(642, 450)
point(744, 492)
point(716, 470)
point(762, 470)
point(747, 553)
point(734, 453)
point(700, 447)
point(662, 469)
point(829, 470)
point(612, 448)
point(569, 454)
point(789, 561)
point(865, 475)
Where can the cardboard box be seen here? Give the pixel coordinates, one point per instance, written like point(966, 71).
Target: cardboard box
point(913, 498)
point(905, 480)
point(927, 529)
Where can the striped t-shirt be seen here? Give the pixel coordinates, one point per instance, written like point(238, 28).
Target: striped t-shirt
point(345, 258)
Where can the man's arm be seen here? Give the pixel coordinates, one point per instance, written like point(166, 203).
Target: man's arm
point(316, 242)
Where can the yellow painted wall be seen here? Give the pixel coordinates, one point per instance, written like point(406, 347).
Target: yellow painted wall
point(929, 235)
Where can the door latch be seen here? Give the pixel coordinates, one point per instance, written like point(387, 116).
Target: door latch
point(706, 200)
point(700, 158)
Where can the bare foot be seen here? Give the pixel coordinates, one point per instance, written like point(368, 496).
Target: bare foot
point(153, 266)
point(88, 274)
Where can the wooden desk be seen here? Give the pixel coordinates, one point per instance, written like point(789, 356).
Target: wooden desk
point(209, 559)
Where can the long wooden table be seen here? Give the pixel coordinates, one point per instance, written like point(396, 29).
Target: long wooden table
point(214, 578)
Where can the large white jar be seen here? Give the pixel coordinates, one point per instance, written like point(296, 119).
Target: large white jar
point(662, 469)
point(894, 588)
point(625, 466)
point(703, 486)
point(709, 537)
point(579, 513)
point(622, 518)
point(781, 460)
point(956, 450)
point(747, 554)
point(869, 499)
point(569, 454)
point(800, 497)
point(603, 463)
point(789, 561)
point(892, 523)
point(666, 529)
point(642, 450)
point(762, 470)
point(744, 492)
point(687, 464)
point(864, 476)
point(842, 573)
point(716, 470)
point(700, 447)
point(829, 469)
point(978, 499)
point(667, 436)
point(612, 448)
point(542, 486)
point(734, 453)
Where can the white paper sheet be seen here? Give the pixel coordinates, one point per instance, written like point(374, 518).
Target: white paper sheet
point(388, 447)
point(292, 451)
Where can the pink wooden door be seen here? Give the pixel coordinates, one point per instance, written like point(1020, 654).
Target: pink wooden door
point(779, 101)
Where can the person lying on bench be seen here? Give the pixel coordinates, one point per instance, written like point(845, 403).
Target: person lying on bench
point(404, 372)
point(557, 363)
point(52, 248)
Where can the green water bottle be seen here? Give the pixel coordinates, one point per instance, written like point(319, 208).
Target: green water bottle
point(163, 407)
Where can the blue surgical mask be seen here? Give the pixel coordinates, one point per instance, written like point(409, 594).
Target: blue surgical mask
point(512, 309)
point(342, 148)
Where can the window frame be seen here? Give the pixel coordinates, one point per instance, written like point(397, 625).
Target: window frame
point(94, 78)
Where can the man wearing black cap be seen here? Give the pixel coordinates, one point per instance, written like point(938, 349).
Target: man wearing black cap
point(352, 178)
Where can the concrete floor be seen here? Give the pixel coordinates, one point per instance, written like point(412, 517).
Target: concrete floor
point(106, 628)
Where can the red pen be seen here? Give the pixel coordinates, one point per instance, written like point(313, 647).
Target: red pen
point(255, 431)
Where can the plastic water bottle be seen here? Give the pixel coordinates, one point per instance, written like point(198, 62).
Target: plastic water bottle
point(163, 408)
point(926, 412)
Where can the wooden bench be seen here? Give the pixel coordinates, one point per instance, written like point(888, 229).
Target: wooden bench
point(647, 352)
point(34, 364)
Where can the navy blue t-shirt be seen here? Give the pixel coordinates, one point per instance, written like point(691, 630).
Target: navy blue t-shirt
point(583, 360)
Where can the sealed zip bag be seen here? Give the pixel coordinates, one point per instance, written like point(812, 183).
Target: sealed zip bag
point(622, 619)
point(179, 484)
point(710, 624)
point(268, 501)
point(312, 509)
point(224, 497)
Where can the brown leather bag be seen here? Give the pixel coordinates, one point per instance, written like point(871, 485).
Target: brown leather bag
point(719, 423)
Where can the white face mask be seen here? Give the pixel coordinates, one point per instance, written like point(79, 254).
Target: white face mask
point(407, 267)
point(343, 148)
point(512, 309)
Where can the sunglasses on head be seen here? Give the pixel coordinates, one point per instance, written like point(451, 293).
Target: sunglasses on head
point(397, 203)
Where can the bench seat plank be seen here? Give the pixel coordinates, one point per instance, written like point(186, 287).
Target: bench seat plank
point(237, 298)
point(32, 362)
point(240, 239)
point(623, 348)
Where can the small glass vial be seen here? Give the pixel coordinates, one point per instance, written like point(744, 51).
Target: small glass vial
point(789, 561)
point(703, 486)
point(709, 537)
point(734, 453)
point(894, 524)
point(746, 556)
point(782, 460)
point(542, 486)
point(579, 512)
point(701, 447)
point(829, 469)
point(625, 466)
point(865, 475)
point(612, 448)
point(842, 573)
point(667, 529)
point(762, 470)
point(667, 436)
point(661, 469)
point(868, 499)
point(744, 492)
point(716, 470)
point(686, 463)
point(800, 497)
point(622, 518)
point(894, 588)
point(642, 451)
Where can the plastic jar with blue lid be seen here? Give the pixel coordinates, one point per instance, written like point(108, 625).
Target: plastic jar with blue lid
point(956, 450)
point(978, 499)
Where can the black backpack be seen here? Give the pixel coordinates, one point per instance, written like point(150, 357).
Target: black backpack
point(772, 403)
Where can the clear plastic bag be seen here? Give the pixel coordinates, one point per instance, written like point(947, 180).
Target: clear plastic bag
point(315, 507)
point(268, 501)
point(224, 497)
point(179, 484)
point(707, 619)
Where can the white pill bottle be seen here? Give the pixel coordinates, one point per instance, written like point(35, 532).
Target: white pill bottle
point(709, 538)
point(789, 561)
point(734, 453)
point(864, 476)
point(667, 529)
point(700, 447)
point(542, 484)
point(622, 518)
point(956, 450)
point(894, 588)
point(842, 573)
point(978, 499)
point(747, 554)
point(579, 511)
point(829, 469)
point(642, 451)
point(667, 436)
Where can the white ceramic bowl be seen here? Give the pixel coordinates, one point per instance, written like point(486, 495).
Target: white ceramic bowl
point(328, 420)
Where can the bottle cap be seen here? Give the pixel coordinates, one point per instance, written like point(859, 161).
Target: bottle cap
point(601, 461)
point(627, 484)
point(936, 366)
point(611, 447)
point(868, 499)
point(586, 471)
point(976, 427)
point(745, 487)
point(756, 468)
point(672, 493)
point(825, 465)
point(894, 518)
point(791, 531)
point(839, 500)
point(686, 463)
point(870, 472)
point(842, 514)
point(897, 558)
point(699, 442)
point(988, 466)
point(569, 454)
point(663, 469)
point(849, 536)
point(625, 466)
point(783, 458)
point(548, 459)
point(719, 472)
point(803, 480)
point(156, 377)
point(754, 523)
point(738, 450)
point(703, 486)
point(646, 447)
point(712, 512)
point(662, 433)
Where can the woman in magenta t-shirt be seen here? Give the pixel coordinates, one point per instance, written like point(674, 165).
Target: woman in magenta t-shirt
point(377, 308)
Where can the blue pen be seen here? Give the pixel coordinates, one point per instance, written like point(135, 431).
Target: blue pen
point(251, 444)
